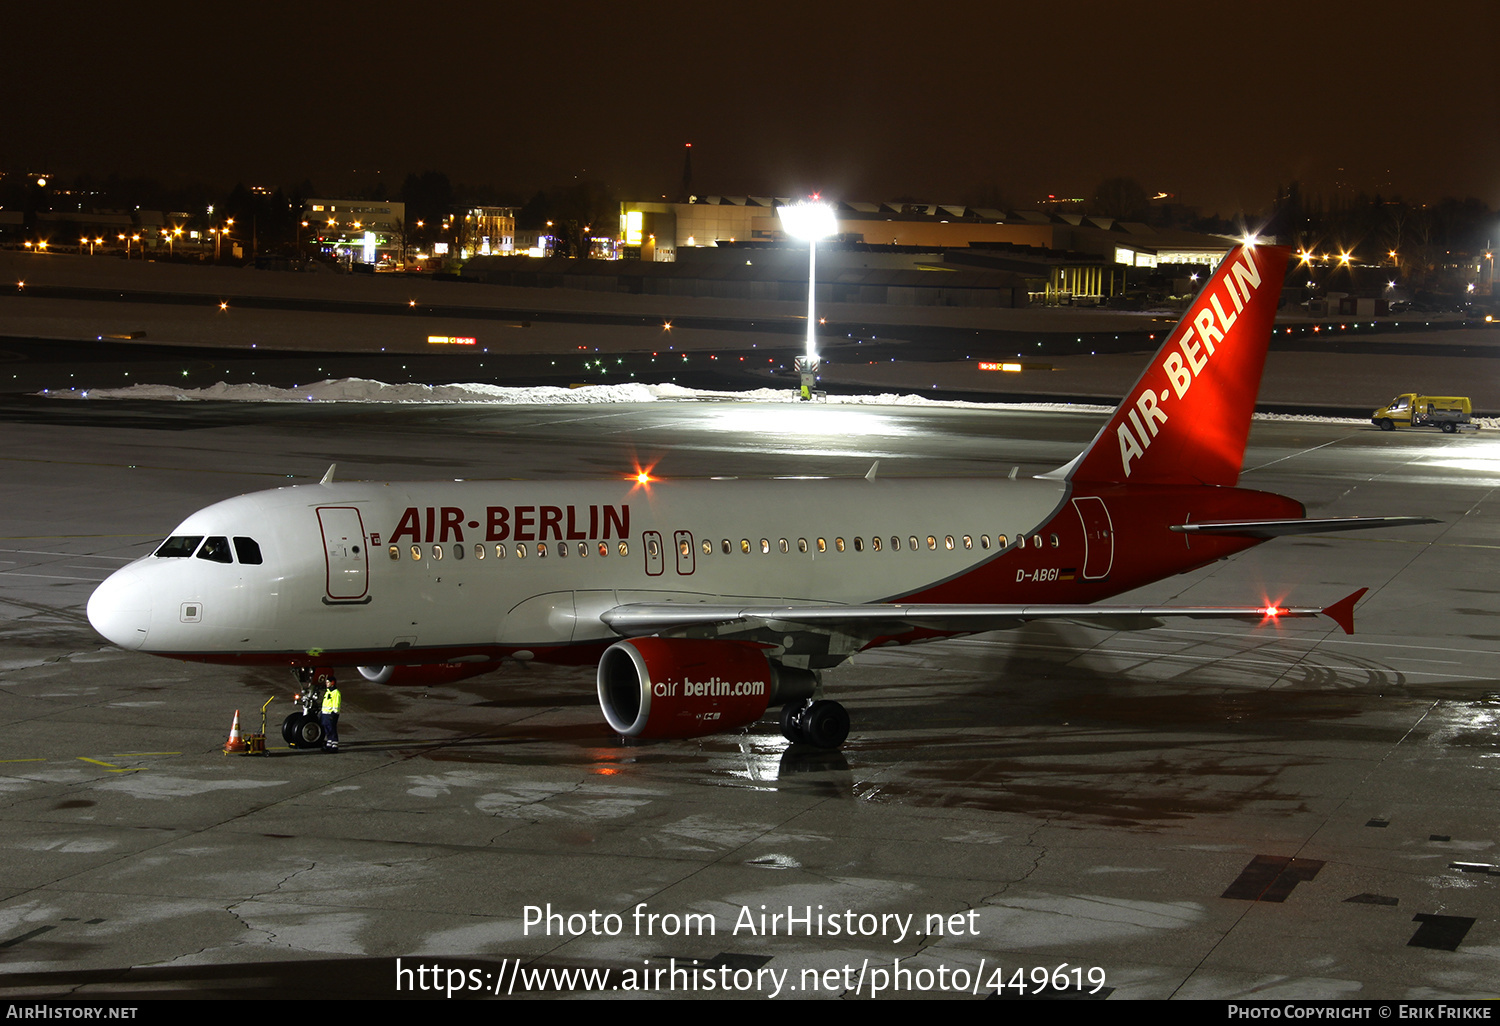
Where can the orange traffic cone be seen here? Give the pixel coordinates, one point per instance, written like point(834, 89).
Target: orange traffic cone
point(236, 743)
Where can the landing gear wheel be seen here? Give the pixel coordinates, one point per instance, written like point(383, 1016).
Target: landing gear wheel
point(310, 734)
point(825, 724)
point(1386, 424)
point(301, 730)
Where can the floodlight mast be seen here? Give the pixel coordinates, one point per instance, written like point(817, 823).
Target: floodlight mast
point(812, 221)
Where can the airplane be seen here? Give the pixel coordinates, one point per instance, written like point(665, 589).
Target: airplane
point(704, 604)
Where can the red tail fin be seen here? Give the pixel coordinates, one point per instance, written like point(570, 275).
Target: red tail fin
point(1186, 419)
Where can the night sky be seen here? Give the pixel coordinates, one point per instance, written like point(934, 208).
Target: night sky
point(1216, 102)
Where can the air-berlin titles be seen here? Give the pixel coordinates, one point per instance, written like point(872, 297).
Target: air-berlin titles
point(1210, 327)
point(514, 523)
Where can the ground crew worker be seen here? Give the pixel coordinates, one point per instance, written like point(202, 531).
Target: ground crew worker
point(330, 716)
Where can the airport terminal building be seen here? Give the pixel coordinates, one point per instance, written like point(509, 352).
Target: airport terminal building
point(1061, 256)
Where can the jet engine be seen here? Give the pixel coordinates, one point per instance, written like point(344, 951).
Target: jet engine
point(679, 687)
point(431, 675)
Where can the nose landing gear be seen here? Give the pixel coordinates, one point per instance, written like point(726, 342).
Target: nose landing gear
point(304, 728)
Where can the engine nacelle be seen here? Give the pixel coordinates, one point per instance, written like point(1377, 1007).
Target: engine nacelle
point(679, 687)
point(432, 675)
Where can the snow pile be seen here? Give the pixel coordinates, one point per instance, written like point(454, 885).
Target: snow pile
point(364, 390)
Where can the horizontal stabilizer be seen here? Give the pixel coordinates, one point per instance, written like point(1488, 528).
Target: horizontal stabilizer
point(1279, 528)
point(1342, 611)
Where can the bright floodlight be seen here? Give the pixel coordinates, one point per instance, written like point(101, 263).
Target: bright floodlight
point(809, 221)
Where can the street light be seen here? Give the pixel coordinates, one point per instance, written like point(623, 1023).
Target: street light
point(810, 221)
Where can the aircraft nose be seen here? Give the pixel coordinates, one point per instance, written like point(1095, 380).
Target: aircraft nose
point(120, 609)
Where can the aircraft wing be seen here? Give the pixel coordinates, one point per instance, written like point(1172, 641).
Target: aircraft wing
point(881, 619)
point(1278, 528)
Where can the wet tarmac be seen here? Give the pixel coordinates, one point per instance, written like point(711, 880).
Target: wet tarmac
point(1195, 811)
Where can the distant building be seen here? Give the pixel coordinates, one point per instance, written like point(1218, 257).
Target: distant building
point(487, 231)
point(1085, 257)
point(357, 231)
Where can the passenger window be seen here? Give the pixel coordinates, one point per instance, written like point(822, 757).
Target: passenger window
point(765, 546)
point(179, 546)
point(915, 545)
point(801, 544)
point(1054, 541)
point(895, 543)
point(416, 552)
point(948, 542)
point(822, 545)
point(604, 548)
point(838, 543)
point(708, 548)
point(968, 542)
point(728, 548)
point(521, 551)
point(541, 550)
point(437, 552)
point(624, 548)
point(1036, 541)
point(931, 542)
point(562, 550)
point(395, 552)
point(1020, 541)
point(684, 548)
point(479, 552)
point(859, 545)
point(583, 550)
point(458, 552)
point(217, 550)
point(653, 549)
point(499, 550)
point(875, 543)
point(785, 547)
point(745, 546)
point(247, 550)
point(984, 541)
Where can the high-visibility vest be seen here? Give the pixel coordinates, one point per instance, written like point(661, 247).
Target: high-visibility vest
point(331, 699)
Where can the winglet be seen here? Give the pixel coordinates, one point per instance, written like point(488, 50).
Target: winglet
point(1342, 611)
point(328, 475)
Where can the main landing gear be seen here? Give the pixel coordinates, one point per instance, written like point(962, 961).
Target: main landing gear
point(822, 724)
point(304, 728)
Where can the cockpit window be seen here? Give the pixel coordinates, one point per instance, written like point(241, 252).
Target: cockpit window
point(179, 545)
point(247, 550)
point(216, 549)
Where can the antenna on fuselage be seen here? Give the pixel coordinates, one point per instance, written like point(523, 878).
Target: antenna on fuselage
point(870, 474)
point(328, 476)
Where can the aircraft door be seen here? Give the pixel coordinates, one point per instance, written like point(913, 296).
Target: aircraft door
point(344, 553)
point(655, 558)
point(1098, 537)
point(683, 541)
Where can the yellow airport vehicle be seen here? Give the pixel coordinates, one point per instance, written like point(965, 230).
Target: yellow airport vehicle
point(1449, 412)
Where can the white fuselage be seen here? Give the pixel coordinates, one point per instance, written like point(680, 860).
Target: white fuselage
point(360, 569)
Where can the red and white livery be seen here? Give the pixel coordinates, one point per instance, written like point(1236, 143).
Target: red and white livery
point(704, 603)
